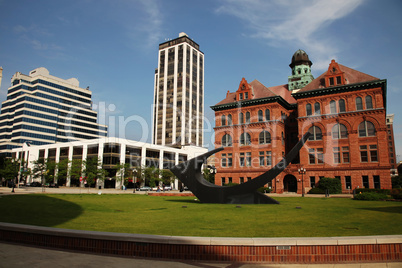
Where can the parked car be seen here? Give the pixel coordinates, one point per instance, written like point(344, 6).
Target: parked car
point(53, 185)
point(167, 188)
point(145, 188)
point(34, 184)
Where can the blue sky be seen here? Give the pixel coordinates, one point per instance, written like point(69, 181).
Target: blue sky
point(112, 46)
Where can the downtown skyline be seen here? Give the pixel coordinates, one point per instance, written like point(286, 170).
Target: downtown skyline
point(112, 47)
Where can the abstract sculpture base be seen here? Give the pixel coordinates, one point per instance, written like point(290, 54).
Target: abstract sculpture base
point(251, 198)
point(190, 174)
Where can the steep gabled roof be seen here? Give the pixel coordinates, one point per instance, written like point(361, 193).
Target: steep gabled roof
point(259, 91)
point(351, 77)
point(284, 92)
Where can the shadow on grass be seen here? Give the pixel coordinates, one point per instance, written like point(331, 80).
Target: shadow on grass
point(184, 201)
point(36, 209)
point(386, 209)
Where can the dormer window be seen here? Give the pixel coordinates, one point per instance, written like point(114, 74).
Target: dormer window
point(244, 91)
point(334, 75)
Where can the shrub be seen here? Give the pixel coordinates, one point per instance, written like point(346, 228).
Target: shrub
point(396, 193)
point(332, 184)
point(229, 184)
point(264, 190)
point(370, 196)
point(316, 191)
point(379, 191)
point(396, 182)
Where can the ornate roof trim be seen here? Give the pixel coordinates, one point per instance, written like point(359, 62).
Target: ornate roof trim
point(251, 102)
point(339, 89)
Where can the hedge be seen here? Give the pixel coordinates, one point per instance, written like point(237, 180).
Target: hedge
point(370, 196)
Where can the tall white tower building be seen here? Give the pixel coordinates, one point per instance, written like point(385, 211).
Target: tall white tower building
point(178, 112)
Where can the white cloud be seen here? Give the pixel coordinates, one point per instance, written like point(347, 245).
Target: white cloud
point(146, 22)
point(29, 35)
point(300, 22)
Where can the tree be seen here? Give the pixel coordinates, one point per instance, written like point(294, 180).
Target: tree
point(151, 175)
point(10, 168)
point(208, 175)
point(50, 171)
point(334, 185)
point(42, 169)
point(62, 171)
point(138, 173)
point(167, 176)
point(93, 170)
point(75, 170)
point(124, 172)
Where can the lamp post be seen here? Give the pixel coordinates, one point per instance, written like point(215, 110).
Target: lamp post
point(302, 171)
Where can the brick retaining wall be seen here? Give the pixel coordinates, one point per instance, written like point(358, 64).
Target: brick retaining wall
point(267, 250)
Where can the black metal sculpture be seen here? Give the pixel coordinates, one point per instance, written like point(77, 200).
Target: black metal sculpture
point(189, 173)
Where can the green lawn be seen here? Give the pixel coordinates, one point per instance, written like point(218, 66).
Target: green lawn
point(182, 216)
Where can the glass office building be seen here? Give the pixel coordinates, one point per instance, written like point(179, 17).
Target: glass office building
point(44, 109)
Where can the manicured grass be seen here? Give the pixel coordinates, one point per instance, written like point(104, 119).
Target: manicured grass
point(182, 216)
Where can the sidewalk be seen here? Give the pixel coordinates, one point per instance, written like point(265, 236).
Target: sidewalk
point(65, 190)
point(77, 190)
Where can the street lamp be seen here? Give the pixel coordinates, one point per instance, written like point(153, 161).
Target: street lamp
point(302, 171)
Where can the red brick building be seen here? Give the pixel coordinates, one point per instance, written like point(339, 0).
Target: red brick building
point(344, 109)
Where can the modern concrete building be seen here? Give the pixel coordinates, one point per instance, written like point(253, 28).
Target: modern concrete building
point(44, 109)
point(178, 110)
point(110, 152)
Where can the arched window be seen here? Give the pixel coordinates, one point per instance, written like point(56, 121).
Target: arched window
point(260, 116)
point(359, 104)
point(339, 131)
point(317, 108)
point(223, 119)
point(267, 115)
point(316, 133)
point(366, 129)
point(245, 139)
point(308, 109)
point(265, 137)
point(248, 118)
point(369, 102)
point(241, 118)
point(342, 106)
point(332, 107)
point(226, 140)
point(229, 119)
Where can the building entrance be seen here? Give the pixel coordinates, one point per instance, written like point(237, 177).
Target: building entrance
point(290, 183)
